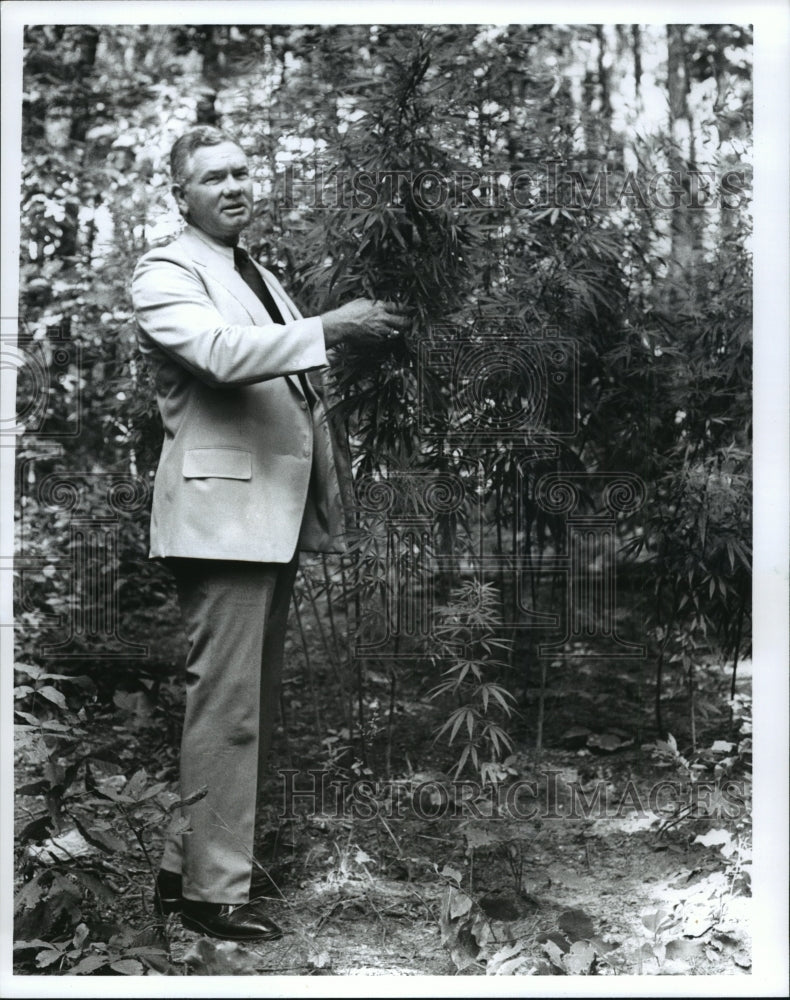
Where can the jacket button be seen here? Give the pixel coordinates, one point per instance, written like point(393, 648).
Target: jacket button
point(303, 405)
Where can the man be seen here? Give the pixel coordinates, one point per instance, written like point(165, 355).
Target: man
point(246, 478)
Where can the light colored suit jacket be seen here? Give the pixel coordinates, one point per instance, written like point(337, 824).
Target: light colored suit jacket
point(247, 470)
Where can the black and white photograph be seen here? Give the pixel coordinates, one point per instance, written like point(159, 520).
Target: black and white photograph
point(393, 504)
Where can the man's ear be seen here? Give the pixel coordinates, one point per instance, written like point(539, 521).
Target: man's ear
point(178, 193)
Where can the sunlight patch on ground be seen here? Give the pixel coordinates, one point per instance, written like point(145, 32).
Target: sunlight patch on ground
point(632, 822)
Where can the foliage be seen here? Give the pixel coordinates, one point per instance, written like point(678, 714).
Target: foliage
point(460, 170)
point(390, 181)
point(466, 633)
point(93, 825)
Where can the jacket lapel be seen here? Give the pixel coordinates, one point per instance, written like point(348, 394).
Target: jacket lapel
point(223, 270)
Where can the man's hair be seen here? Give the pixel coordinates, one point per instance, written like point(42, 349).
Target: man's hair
point(185, 146)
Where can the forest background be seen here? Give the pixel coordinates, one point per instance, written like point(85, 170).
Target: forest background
point(551, 514)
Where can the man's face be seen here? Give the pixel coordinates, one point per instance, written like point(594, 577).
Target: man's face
point(216, 197)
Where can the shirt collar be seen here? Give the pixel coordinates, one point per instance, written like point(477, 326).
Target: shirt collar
point(221, 248)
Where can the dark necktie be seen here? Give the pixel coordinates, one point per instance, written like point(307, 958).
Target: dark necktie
point(252, 277)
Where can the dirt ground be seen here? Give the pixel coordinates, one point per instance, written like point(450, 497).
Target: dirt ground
point(361, 899)
point(598, 855)
point(418, 875)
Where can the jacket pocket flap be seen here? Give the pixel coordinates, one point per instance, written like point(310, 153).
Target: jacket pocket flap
point(217, 463)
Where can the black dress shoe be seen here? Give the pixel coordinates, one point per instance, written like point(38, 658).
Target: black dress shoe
point(240, 922)
point(167, 893)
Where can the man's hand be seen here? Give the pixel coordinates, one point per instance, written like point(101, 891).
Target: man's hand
point(364, 319)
